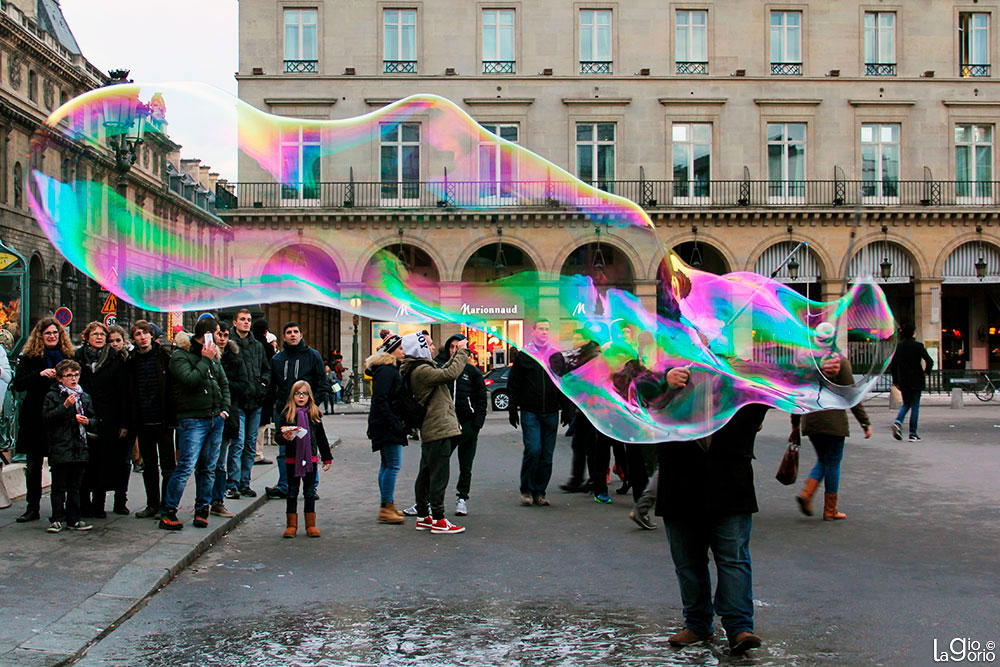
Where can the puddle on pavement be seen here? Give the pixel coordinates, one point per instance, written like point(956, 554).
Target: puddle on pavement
point(456, 633)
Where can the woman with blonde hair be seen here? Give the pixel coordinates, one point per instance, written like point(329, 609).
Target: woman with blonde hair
point(302, 428)
point(47, 345)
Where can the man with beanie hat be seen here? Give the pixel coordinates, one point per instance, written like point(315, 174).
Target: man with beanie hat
point(429, 386)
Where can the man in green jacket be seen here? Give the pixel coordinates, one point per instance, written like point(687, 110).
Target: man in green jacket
point(201, 392)
point(429, 385)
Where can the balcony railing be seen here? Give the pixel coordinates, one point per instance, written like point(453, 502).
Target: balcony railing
point(786, 69)
point(300, 66)
point(498, 67)
point(560, 195)
point(880, 69)
point(973, 70)
point(595, 67)
point(691, 67)
point(400, 66)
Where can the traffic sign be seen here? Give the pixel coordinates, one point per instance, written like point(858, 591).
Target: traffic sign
point(64, 316)
point(111, 305)
point(110, 320)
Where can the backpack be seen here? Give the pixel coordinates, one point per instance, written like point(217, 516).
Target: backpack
point(406, 405)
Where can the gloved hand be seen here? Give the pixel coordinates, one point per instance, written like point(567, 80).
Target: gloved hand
point(513, 417)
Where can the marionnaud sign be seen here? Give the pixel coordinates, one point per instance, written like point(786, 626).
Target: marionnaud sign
point(489, 310)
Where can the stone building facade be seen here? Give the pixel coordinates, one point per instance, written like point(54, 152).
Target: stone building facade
point(743, 128)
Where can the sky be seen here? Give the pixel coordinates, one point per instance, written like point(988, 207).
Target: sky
point(164, 40)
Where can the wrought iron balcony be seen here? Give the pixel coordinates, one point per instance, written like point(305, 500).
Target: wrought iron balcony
point(565, 195)
point(400, 66)
point(880, 69)
point(966, 71)
point(692, 67)
point(300, 66)
point(786, 69)
point(498, 67)
point(595, 67)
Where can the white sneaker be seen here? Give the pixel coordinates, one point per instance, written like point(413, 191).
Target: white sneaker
point(55, 527)
point(461, 509)
point(411, 510)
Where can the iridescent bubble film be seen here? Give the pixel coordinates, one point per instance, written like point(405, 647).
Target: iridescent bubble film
point(743, 337)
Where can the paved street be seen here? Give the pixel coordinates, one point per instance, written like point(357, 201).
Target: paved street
point(578, 584)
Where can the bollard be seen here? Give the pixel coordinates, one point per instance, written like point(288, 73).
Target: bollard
point(957, 399)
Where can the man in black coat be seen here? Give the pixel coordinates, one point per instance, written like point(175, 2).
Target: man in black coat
point(706, 497)
point(469, 394)
point(296, 361)
point(258, 364)
point(908, 376)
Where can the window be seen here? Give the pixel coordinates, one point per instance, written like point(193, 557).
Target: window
point(595, 154)
point(32, 86)
point(691, 42)
point(497, 162)
point(400, 41)
point(399, 159)
point(786, 43)
point(18, 185)
point(786, 162)
point(692, 161)
point(973, 44)
point(300, 164)
point(300, 40)
point(595, 41)
point(880, 44)
point(498, 41)
point(880, 160)
point(974, 161)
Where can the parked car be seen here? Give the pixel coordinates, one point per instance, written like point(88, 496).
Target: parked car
point(496, 386)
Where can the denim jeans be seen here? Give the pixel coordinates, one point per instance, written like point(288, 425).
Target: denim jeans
point(538, 432)
point(199, 440)
point(911, 404)
point(728, 537)
point(243, 450)
point(392, 461)
point(829, 454)
point(226, 445)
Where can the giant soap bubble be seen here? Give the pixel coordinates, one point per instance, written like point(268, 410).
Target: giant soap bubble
point(744, 337)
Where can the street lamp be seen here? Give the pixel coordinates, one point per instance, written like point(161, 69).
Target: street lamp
point(355, 306)
point(885, 266)
point(981, 262)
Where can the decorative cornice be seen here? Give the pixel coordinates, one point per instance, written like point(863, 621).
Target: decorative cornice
point(597, 101)
point(692, 101)
point(381, 101)
point(971, 103)
point(501, 101)
point(302, 101)
point(882, 103)
point(762, 101)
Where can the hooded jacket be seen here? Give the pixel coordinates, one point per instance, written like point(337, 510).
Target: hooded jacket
point(429, 386)
point(384, 425)
point(239, 385)
point(201, 389)
point(258, 365)
point(294, 363)
point(66, 443)
point(468, 391)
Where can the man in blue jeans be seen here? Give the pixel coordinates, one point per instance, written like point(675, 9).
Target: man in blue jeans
point(296, 361)
point(201, 393)
point(706, 497)
point(244, 448)
point(535, 402)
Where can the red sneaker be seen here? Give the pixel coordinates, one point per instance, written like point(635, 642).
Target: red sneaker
point(425, 524)
point(445, 527)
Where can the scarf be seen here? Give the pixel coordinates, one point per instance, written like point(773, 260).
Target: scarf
point(52, 356)
point(303, 444)
point(66, 391)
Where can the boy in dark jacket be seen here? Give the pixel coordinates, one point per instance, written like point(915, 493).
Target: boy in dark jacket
point(67, 412)
point(239, 389)
point(469, 394)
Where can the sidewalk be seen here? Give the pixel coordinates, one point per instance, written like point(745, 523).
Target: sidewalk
point(59, 593)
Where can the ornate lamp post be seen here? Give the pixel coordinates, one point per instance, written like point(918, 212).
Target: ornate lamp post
point(355, 306)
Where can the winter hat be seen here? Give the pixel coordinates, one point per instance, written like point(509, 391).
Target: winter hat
point(415, 345)
point(825, 334)
point(390, 343)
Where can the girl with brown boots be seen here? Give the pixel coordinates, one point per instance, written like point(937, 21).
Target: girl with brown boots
point(302, 428)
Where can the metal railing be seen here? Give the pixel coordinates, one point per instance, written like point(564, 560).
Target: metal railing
point(973, 70)
point(648, 194)
point(595, 67)
point(400, 66)
point(880, 69)
point(786, 69)
point(498, 66)
point(692, 67)
point(300, 66)
point(940, 381)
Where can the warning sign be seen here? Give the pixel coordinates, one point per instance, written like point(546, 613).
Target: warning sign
point(111, 305)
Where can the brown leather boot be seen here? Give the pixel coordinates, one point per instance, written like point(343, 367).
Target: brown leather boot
point(291, 525)
point(393, 507)
point(805, 497)
point(830, 512)
point(311, 529)
point(388, 514)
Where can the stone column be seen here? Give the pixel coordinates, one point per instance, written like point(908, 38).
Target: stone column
point(451, 302)
point(645, 290)
point(927, 315)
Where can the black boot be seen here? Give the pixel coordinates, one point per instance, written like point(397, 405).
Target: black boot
point(97, 508)
point(29, 515)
